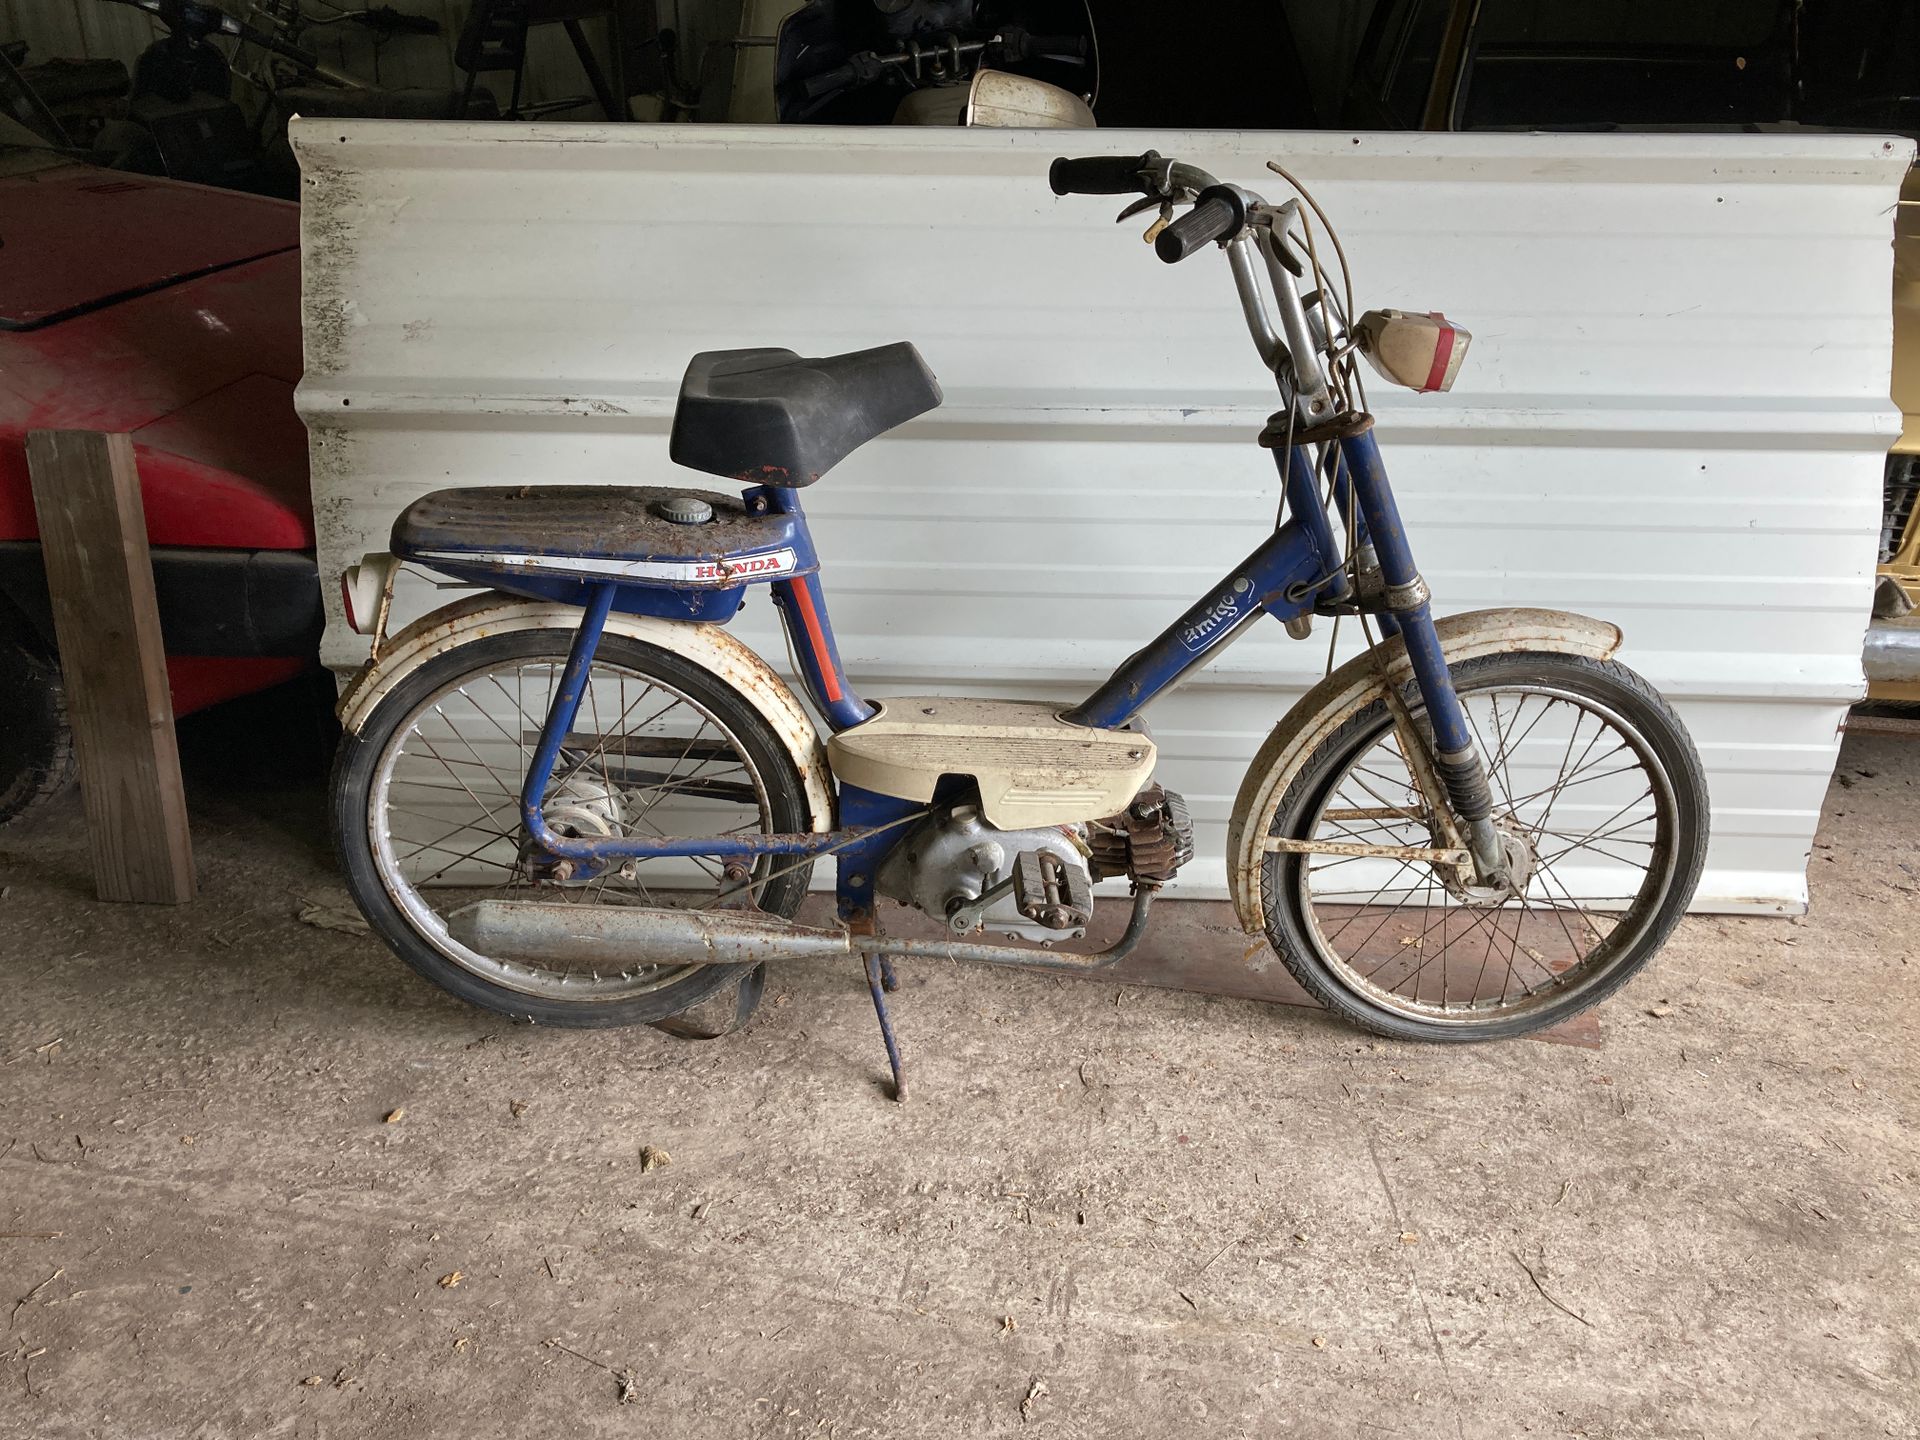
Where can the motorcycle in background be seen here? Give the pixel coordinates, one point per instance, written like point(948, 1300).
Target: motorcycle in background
point(1030, 63)
point(182, 119)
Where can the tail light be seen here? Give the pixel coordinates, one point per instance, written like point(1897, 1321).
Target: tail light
point(361, 589)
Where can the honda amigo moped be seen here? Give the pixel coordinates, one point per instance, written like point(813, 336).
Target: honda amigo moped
point(575, 799)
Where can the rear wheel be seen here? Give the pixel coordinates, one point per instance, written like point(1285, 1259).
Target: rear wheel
point(1600, 801)
point(426, 803)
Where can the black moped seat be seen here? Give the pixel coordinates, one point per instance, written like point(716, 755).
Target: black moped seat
point(772, 417)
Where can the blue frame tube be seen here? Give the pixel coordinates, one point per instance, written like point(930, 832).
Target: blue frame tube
point(1343, 500)
point(1301, 485)
point(1361, 455)
point(1258, 585)
point(803, 610)
point(559, 722)
point(1294, 568)
point(1283, 577)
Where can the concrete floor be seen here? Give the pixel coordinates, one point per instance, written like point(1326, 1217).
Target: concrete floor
point(258, 1180)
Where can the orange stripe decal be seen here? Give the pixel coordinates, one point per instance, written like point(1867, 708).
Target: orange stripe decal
point(829, 678)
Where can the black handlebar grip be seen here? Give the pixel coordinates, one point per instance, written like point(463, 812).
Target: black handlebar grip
point(825, 83)
point(1218, 213)
point(1056, 46)
point(306, 59)
point(1098, 175)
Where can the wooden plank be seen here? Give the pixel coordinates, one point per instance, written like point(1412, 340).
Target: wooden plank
point(1906, 725)
point(93, 535)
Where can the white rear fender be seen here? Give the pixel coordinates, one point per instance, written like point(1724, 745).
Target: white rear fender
point(707, 646)
point(1336, 699)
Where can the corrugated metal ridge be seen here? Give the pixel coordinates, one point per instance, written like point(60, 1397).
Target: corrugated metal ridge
point(1808, 422)
point(866, 150)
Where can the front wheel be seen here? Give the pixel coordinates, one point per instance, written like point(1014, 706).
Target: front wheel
point(1599, 798)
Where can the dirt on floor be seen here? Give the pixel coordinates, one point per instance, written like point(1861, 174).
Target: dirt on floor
point(257, 1179)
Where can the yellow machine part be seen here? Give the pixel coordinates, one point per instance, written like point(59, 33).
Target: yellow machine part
point(1903, 564)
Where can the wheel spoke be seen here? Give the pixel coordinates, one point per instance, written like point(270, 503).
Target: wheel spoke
point(1594, 833)
point(1492, 769)
point(478, 825)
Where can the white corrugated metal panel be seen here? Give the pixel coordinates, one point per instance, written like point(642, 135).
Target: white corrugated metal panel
point(1673, 415)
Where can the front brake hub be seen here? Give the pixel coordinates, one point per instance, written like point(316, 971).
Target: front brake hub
point(1463, 883)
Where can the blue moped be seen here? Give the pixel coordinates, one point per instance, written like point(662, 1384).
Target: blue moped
point(574, 798)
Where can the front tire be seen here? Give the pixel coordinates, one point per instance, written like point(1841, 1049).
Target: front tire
point(425, 813)
point(1403, 947)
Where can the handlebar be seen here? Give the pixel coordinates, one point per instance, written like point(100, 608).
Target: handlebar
point(1016, 44)
point(1010, 45)
point(814, 86)
point(199, 20)
point(869, 65)
point(1218, 211)
point(305, 59)
point(1151, 174)
point(1253, 235)
point(1099, 175)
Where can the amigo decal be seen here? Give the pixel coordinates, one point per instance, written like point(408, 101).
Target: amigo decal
point(1211, 619)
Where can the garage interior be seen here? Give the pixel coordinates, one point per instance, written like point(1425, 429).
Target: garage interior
point(258, 1177)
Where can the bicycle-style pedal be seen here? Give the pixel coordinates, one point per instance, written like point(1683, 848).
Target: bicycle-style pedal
point(1050, 892)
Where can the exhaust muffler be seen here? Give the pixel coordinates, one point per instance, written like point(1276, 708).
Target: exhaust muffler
point(607, 937)
point(610, 936)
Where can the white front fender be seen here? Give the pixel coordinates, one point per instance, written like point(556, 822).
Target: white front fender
point(1336, 699)
point(707, 646)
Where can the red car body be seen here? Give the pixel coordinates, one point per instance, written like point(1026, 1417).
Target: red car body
point(170, 312)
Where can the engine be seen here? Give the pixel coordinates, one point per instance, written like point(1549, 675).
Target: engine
point(1030, 884)
point(1147, 842)
point(1033, 884)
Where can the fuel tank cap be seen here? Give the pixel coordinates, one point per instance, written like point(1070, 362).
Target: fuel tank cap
point(684, 510)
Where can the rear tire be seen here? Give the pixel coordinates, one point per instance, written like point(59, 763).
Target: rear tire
point(367, 776)
point(721, 1014)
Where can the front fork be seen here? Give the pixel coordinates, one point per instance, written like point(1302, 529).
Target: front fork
point(1455, 763)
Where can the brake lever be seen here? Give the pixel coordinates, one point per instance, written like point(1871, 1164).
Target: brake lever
point(1140, 207)
point(1263, 216)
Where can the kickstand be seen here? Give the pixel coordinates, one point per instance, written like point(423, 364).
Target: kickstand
point(880, 979)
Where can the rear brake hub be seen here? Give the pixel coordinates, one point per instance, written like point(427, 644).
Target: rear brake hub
point(581, 807)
